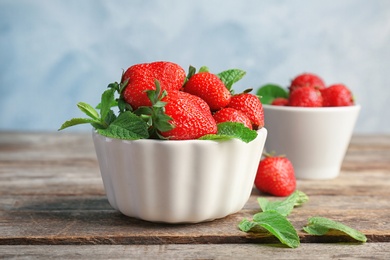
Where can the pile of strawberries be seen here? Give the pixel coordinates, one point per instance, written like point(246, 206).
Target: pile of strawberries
point(309, 90)
point(195, 103)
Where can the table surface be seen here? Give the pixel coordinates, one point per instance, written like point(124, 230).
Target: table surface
point(52, 204)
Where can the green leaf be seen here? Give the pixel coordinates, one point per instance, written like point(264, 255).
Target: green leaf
point(321, 226)
point(229, 77)
point(162, 121)
point(127, 126)
point(113, 104)
point(203, 69)
point(122, 86)
point(269, 92)
point(191, 72)
point(109, 118)
point(237, 130)
point(231, 130)
point(78, 121)
point(275, 223)
point(123, 105)
point(251, 226)
point(88, 110)
point(105, 104)
point(285, 206)
point(216, 137)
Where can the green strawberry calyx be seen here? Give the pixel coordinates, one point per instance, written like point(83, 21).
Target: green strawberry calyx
point(154, 116)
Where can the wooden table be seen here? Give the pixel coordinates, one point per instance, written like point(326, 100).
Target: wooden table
point(53, 205)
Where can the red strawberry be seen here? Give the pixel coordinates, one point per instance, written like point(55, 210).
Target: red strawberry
point(280, 101)
point(229, 114)
point(337, 95)
point(275, 176)
point(307, 80)
point(210, 88)
point(141, 77)
point(305, 97)
point(249, 104)
point(190, 115)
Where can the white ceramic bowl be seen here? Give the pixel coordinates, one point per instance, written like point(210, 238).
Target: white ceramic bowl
point(178, 181)
point(314, 139)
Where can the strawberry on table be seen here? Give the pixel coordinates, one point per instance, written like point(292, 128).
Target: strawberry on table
point(249, 104)
point(210, 88)
point(307, 80)
point(337, 95)
point(229, 114)
point(141, 77)
point(275, 176)
point(305, 97)
point(191, 116)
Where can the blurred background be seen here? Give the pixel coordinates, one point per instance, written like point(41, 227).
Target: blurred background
point(55, 53)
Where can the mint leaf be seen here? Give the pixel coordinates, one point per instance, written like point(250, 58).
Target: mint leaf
point(216, 137)
point(88, 110)
point(78, 121)
point(231, 130)
point(275, 223)
point(251, 226)
point(285, 206)
point(114, 103)
point(127, 126)
point(106, 101)
point(320, 226)
point(237, 130)
point(229, 77)
point(269, 92)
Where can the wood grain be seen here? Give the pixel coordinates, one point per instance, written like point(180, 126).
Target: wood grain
point(51, 193)
point(205, 251)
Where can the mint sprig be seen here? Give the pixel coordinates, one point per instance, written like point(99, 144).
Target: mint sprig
point(97, 120)
point(273, 219)
point(125, 126)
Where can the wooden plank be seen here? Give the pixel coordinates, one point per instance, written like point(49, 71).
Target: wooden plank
point(90, 220)
point(188, 251)
point(51, 193)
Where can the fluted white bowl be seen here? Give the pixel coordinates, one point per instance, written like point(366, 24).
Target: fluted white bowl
point(315, 139)
point(178, 181)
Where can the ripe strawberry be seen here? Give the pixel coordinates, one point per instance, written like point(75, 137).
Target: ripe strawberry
point(141, 77)
point(210, 88)
point(280, 101)
point(275, 176)
point(190, 115)
point(305, 97)
point(229, 114)
point(249, 104)
point(337, 95)
point(306, 80)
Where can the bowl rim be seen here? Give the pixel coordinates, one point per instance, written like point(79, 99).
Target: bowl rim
point(312, 109)
point(260, 131)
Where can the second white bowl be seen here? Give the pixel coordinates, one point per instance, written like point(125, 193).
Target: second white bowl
point(314, 139)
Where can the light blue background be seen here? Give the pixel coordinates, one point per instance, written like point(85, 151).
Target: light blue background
point(56, 53)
